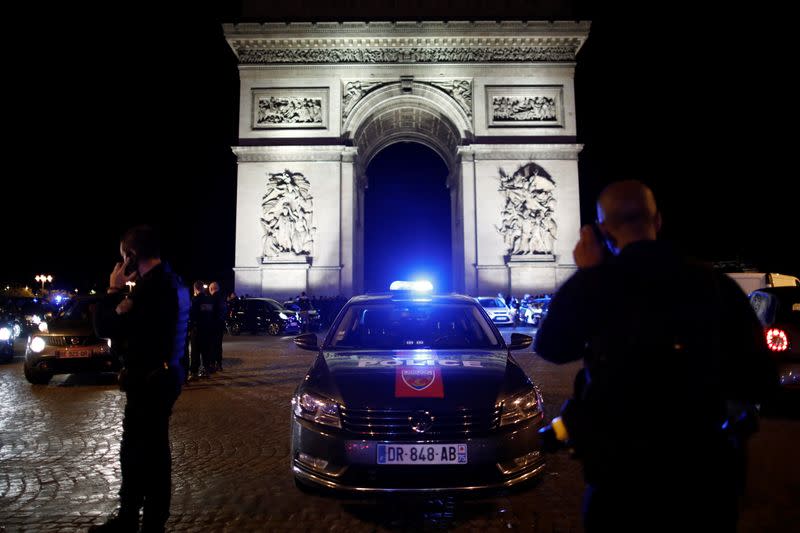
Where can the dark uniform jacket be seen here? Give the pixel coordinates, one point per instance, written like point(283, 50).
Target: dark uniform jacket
point(153, 332)
point(666, 344)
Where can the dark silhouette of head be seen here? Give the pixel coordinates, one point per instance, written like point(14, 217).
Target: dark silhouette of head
point(144, 241)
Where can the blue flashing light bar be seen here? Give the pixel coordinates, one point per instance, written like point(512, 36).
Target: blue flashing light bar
point(413, 286)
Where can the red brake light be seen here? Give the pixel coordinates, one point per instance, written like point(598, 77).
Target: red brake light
point(777, 340)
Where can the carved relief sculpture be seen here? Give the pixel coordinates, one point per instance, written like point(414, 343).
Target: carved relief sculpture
point(528, 222)
point(460, 91)
point(525, 105)
point(287, 215)
point(354, 91)
point(290, 108)
point(272, 110)
point(512, 109)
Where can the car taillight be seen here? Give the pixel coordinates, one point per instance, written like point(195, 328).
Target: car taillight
point(777, 340)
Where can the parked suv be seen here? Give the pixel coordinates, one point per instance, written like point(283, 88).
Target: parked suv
point(261, 314)
point(497, 310)
point(68, 344)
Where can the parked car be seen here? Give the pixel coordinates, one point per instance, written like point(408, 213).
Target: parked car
point(68, 345)
point(413, 393)
point(32, 312)
point(778, 310)
point(10, 329)
point(497, 310)
point(261, 314)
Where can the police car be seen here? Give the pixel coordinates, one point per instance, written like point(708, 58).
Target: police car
point(415, 392)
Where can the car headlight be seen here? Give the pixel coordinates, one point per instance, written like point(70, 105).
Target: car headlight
point(37, 344)
point(5, 334)
point(36, 319)
point(316, 409)
point(283, 316)
point(43, 327)
point(521, 407)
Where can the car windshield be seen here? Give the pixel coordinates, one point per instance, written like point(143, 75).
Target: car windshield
point(491, 302)
point(413, 325)
point(275, 306)
point(81, 310)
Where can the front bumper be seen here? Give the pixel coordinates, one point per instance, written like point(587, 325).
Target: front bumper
point(334, 460)
point(47, 361)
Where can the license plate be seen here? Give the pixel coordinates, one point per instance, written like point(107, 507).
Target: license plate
point(422, 454)
point(76, 353)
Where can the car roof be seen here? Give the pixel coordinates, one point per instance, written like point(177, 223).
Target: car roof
point(781, 292)
point(407, 296)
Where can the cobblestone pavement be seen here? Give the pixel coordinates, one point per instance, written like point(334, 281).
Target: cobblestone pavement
point(59, 467)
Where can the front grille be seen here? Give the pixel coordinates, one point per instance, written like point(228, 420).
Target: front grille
point(80, 340)
point(397, 423)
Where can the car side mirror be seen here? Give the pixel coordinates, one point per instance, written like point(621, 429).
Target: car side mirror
point(520, 341)
point(308, 341)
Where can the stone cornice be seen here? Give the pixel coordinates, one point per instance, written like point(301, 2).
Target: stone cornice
point(253, 154)
point(531, 152)
point(406, 42)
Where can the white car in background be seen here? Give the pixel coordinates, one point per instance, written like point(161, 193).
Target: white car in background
point(497, 310)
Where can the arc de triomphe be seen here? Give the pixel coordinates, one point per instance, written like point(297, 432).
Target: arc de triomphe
point(319, 100)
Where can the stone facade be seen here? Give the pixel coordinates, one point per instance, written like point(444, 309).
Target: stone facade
point(320, 100)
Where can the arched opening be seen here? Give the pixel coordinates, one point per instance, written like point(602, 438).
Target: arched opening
point(407, 218)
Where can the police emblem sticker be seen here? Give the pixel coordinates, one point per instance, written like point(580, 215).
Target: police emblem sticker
point(418, 382)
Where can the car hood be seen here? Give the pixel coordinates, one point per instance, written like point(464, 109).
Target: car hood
point(378, 380)
point(75, 328)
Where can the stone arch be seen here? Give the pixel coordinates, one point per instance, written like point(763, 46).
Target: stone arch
point(398, 112)
point(401, 112)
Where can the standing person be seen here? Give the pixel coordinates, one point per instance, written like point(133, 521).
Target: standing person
point(304, 304)
point(149, 327)
point(201, 324)
point(218, 327)
point(669, 347)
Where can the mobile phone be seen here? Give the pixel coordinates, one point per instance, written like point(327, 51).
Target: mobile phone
point(605, 241)
point(133, 264)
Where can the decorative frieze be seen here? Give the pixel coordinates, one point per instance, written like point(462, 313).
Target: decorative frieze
point(270, 53)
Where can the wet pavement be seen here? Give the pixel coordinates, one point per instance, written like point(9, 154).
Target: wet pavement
point(59, 466)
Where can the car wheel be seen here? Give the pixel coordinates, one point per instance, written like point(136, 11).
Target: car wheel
point(37, 377)
point(235, 329)
point(274, 328)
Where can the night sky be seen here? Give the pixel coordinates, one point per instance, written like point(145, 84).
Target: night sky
point(131, 120)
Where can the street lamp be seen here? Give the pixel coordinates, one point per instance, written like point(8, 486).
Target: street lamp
point(44, 277)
